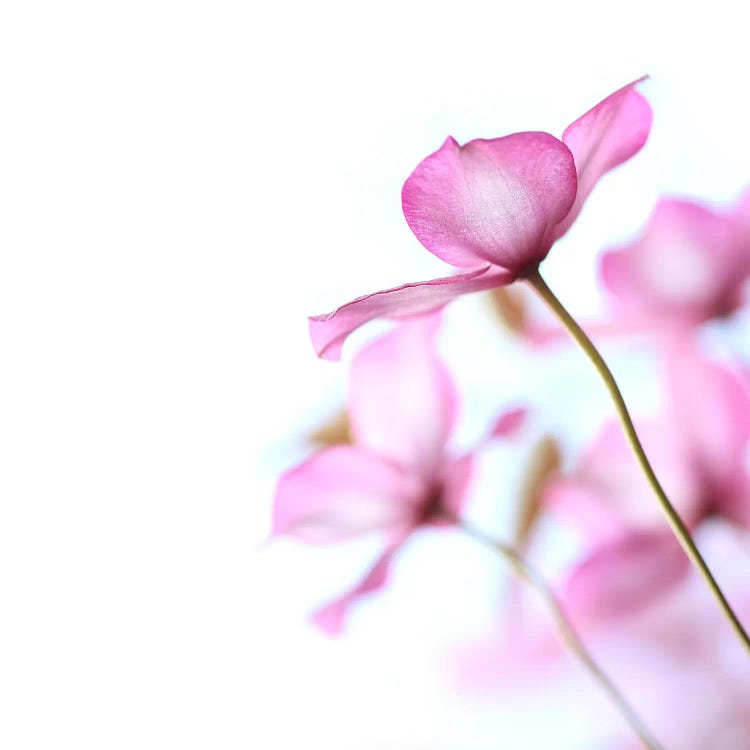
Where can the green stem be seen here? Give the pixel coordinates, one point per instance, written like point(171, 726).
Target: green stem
point(536, 281)
point(564, 625)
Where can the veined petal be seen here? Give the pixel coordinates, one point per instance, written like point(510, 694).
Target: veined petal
point(491, 200)
point(328, 332)
point(606, 136)
point(331, 618)
point(623, 576)
point(343, 492)
point(402, 400)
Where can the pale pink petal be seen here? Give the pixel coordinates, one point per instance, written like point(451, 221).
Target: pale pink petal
point(343, 492)
point(606, 136)
point(620, 578)
point(607, 491)
point(581, 505)
point(328, 332)
point(683, 270)
point(710, 404)
point(491, 200)
point(331, 618)
point(402, 401)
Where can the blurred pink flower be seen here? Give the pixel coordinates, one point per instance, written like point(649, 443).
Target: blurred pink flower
point(397, 475)
point(629, 563)
point(689, 265)
point(698, 445)
point(495, 207)
point(688, 678)
point(699, 449)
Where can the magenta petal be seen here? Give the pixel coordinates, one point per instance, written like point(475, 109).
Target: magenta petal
point(328, 332)
point(623, 576)
point(402, 401)
point(332, 617)
point(343, 492)
point(606, 136)
point(491, 200)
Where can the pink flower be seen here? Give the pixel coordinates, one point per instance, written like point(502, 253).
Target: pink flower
point(699, 449)
point(397, 475)
point(689, 266)
point(678, 655)
point(495, 207)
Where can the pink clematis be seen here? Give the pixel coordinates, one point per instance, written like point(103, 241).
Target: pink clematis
point(397, 475)
point(493, 208)
point(689, 265)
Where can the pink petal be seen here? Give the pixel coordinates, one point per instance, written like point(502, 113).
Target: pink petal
point(510, 422)
point(684, 269)
point(606, 490)
point(331, 618)
point(606, 136)
point(343, 492)
point(456, 481)
point(711, 406)
point(622, 577)
point(402, 401)
point(491, 200)
point(328, 332)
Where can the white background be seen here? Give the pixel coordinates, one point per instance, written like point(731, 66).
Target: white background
point(180, 185)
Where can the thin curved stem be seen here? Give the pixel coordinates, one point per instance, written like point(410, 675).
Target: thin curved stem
point(536, 281)
point(565, 627)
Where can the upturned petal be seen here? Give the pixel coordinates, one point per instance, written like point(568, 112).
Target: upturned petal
point(343, 492)
point(491, 200)
point(606, 136)
point(328, 332)
point(402, 400)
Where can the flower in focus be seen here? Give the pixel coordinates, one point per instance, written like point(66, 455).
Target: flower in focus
point(690, 265)
point(493, 208)
point(397, 474)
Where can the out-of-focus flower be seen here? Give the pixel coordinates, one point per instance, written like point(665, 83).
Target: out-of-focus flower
point(688, 678)
point(397, 474)
point(629, 562)
point(698, 444)
point(495, 207)
point(689, 265)
point(699, 449)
